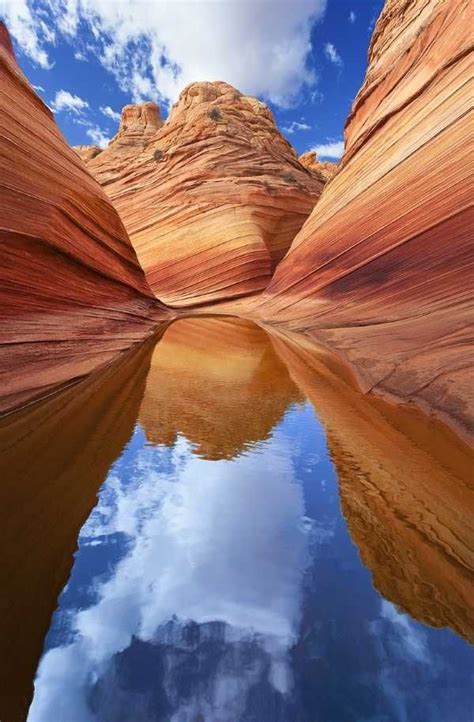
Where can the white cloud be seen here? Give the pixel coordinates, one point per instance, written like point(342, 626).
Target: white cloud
point(158, 48)
point(97, 136)
point(39, 88)
point(332, 54)
point(64, 100)
point(352, 17)
point(331, 149)
point(80, 56)
point(28, 31)
point(206, 541)
point(110, 113)
point(295, 125)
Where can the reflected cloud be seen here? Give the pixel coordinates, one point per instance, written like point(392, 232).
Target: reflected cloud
point(211, 578)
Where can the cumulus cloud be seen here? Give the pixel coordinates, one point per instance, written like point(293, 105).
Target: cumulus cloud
point(206, 541)
point(66, 101)
point(332, 54)
point(158, 48)
point(330, 149)
point(110, 113)
point(295, 125)
point(97, 136)
point(352, 17)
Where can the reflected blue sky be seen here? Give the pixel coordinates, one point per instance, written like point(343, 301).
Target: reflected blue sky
point(230, 591)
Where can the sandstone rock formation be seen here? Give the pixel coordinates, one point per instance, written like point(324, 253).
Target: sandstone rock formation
point(217, 383)
point(382, 270)
point(323, 169)
point(87, 152)
point(404, 487)
point(71, 291)
point(215, 198)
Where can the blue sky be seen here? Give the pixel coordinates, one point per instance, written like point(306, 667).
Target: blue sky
point(88, 58)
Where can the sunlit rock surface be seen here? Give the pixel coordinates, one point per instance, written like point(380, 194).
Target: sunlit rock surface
point(214, 200)
point(72, 294)
point(406, 491)
point(53, 458)
point(218, 383)
point(87, 152)
point(321, 168)
point(382, 270)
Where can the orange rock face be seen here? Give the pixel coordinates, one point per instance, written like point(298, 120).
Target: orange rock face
point(323, 169)
point(382, 270)
point(71, 291)
point(213, 200)
point(87, 152)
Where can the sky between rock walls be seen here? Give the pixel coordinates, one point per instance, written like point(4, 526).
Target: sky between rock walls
point(89, 58)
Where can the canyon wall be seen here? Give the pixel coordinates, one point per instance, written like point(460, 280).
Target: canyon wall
point(213, 200)
point(72, 292)
point(382, 269)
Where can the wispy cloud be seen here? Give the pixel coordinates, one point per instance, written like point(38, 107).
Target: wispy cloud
point(296, 125)
point(332, 54)
point(80, 56)
point(110, 113)
point(66, 101)
point(352, 17)
point(331, 149)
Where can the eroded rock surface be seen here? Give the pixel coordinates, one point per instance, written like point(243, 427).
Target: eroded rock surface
point(321, 168)
point(72, 292)
point(382, 270)
point(213, 200)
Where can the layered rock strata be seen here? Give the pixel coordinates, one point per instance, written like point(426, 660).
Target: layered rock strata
point(215, 198)
point(382, 270)
point(72, 292)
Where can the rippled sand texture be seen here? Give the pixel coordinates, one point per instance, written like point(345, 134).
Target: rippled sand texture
point(406, 490)
point(382, 270)
point(214, 200)
point(218, 383)
point(72, 294)
point(53, 459)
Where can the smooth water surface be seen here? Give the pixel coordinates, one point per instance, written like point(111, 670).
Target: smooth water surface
point(216, 579)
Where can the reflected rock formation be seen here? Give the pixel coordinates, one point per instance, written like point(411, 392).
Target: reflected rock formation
point(216, 382)
point(406, 491)
point(215, 198)
point(53, 458)
point(72, 294)
point(382, 270)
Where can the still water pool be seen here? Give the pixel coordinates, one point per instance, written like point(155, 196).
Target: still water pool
point(243, 564)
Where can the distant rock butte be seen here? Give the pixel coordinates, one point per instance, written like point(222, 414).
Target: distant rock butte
point(212, 198)
point(72, 292)
point(87, 152)
point(382, 269)
point(324, 169)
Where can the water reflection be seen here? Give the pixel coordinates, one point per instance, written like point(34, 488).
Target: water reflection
point(406, 489)
point(215, 579)
point(54, 457)
point(219, 383)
